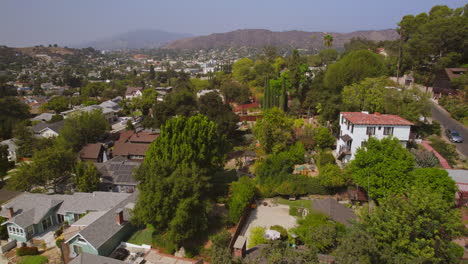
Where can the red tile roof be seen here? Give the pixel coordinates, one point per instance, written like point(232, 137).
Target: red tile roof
point(359, 118)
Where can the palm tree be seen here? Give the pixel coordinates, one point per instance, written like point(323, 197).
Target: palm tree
point(328, 40)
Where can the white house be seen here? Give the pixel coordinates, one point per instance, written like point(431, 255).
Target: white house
point(11, 148)
point(357, 127)
point(133, 92)
point(48, 130)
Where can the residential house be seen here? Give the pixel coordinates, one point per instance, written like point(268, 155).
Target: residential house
point(109, 109)
point(461, 179)
point(134, 144)
point(30, 215)
point(443, 81)
point(334, 210)
point(101, 231)
point(93, 153)
point(48, 130)
point(117, 174)
point(86, 258)
point(204, 92)
point(44, 117)
point(12, 147)
point(133, 92)
point(357, 127)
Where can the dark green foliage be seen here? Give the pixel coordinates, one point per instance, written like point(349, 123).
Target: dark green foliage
point(27, 251)
point(457, 107)
point(219, 251)
point(357, 246)
point(448, 151)
point(435, 180)
point(235, 92)
point(280, 252)
point(26, 141)
point(352, 68)
point(323, 138)
point(50, 167)
point(5, 164)
point(317, 231)
point(382, 168)
point(12, 111)
point(425, 130)
point(56, 118)
point(217, 111)
point(81, 129)
point(3, 229)
point(180, 103)
point(87, 177)
point(175, 178)
point(331, 176)
point(242, 193)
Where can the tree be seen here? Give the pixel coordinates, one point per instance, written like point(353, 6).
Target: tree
point(328, 40)
point(242, 193)
point(5, 164)
point(357, 246)
point(435, 180)
point(212, 105)
point(50, 167)
point(274, 130)
point(57, 104)
point(331, 176)
point(353, 68)
point(323, 138)
point(328, 56)
point(152, 73)
point(87, 177)
point(129, 125)
point(235, 92)
point(12, 111)
point(181, 103)
point(368, 95)
point(382, 167)
point(242, 70)
point(93, 89)
point(81, 129)
point(175, 177)
point(280, 252)
point(219, 251)
point(416, 228)
point(257, 236)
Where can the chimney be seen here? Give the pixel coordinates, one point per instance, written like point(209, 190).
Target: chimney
point(119, 216)
point(10, 212)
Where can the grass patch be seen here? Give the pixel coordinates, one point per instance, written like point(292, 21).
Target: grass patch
point(144, 236)
point(295, 205)
point(33, 260)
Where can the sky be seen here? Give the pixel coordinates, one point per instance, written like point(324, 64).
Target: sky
point(69, 22)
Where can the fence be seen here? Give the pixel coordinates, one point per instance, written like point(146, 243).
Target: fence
point(7, 247)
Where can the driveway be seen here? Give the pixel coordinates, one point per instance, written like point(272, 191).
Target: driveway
point(267, 216)
point(443, 117)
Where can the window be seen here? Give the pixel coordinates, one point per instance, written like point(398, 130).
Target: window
point(77, 249)
point(388, 131)
point(60, 218)
point(81, 240)
point(370, 131)
point(352, 128)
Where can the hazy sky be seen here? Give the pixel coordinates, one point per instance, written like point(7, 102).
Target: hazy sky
point(67, 22)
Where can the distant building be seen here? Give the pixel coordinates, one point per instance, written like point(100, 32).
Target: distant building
point(48, 130)
point(443, 81)
point(93, 153)
point(133, 92)
point(133, 145)
point(12, 147)
point(357, 127)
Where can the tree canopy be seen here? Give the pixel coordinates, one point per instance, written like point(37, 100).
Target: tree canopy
point(274, 130)
point(12, 111)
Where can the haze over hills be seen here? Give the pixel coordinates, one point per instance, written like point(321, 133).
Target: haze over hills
point(143, 38)
point(261, 37)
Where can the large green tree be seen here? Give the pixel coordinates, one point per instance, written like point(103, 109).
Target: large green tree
point(82, 128)
point(367, 95)
point(242, 193)
point(86, 177)
point(274, 130)
point(435, 180)
point(57, 104)
point(12, 111)
point(176, 175)
point(242, 70)
point(382, 167)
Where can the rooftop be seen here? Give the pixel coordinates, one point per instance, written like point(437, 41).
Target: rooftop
point(360, 118)
point(52, 126)
point(90, 151)
point(86, 258)
point(336, 211)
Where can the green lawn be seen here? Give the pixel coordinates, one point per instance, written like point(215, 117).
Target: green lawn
point(143, 236)
point(33, 260)
point(293, 205)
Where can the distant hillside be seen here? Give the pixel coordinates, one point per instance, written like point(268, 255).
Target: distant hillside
point(138, 39)
point(32, 51)
point(262, 37)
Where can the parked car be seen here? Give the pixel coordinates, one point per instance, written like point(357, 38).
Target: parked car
point(453, 136)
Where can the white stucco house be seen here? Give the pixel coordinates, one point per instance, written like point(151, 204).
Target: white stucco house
point(357, 127)
point(133, 92)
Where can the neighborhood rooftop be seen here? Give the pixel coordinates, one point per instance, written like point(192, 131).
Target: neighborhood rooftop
point(359, 118)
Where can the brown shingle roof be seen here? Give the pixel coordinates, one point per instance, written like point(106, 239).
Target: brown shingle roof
point(126, 149)
point(453, 73)
point(90, 151)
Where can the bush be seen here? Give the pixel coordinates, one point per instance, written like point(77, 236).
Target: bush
point(323, 158)
point(282, 230)
point(425, 130)
point(58, 232)
point(34, 260)
point(242, 193)
point(456, 106)
point(59, 242)
point(445, 149)
point(257, 236)
point(424, 158)
point(27, 251)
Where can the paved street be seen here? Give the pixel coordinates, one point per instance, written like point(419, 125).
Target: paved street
point(443, 117)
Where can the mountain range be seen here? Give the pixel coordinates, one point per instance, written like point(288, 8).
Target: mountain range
point(138, 39)
point(261, 37)
point(255, 38)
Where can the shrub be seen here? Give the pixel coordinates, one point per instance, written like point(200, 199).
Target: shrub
point(59, 242)
point(323, 158)
point(445, 149)
point(425, 130)
point(242, 192)
point(58, 232)
point(282, 230)
point(34, 260)
point(424, 158)
point(27, 251)
point(257, 236)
